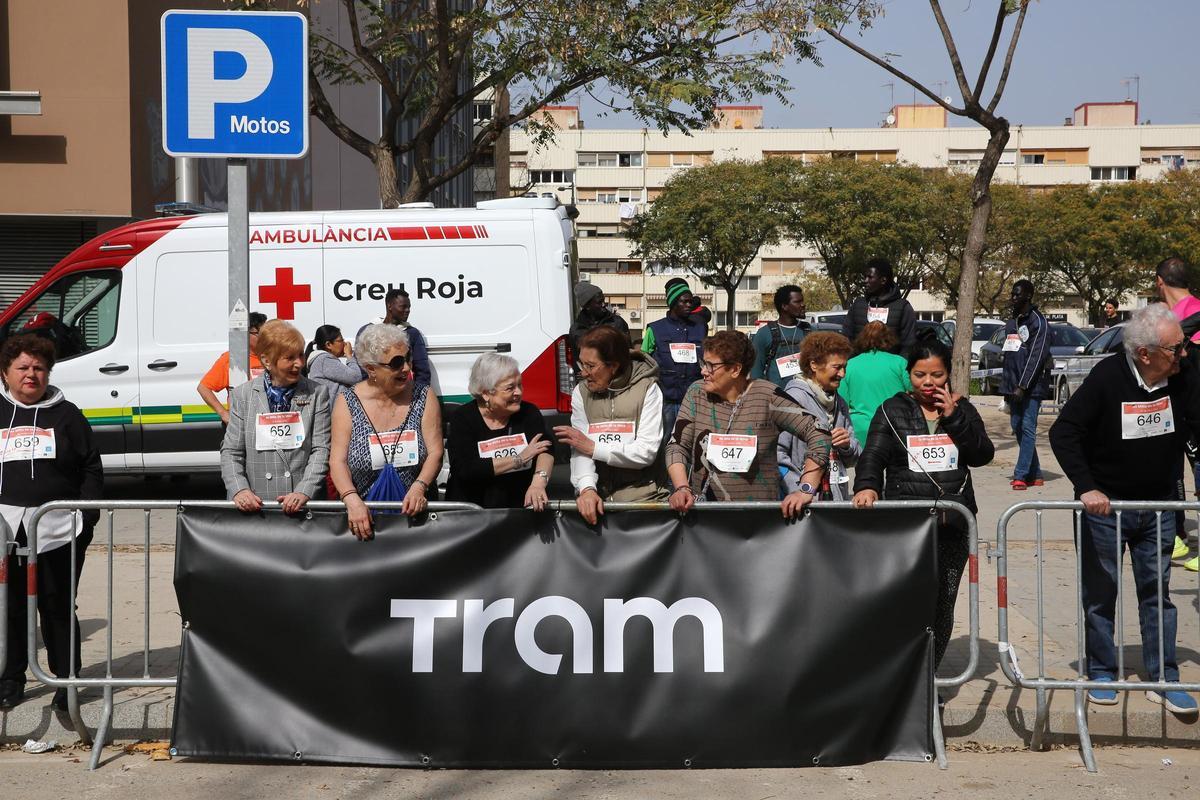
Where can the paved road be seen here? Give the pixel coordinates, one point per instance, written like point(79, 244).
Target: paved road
point(1125, 773)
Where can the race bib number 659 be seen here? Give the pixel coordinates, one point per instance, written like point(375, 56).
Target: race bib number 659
point(25, 442)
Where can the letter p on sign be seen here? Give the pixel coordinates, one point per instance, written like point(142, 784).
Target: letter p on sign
point(235, 84)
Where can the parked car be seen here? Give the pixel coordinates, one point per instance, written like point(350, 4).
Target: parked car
point(1076, 368)
point(1065, 341)
point(818, 317)
point(983, 328)
point(927, 328)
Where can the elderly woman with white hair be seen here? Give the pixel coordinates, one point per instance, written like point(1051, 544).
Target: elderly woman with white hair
point(499, 446)
point(385, 423)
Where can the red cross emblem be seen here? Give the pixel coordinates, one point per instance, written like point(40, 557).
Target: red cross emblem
point(285, 293)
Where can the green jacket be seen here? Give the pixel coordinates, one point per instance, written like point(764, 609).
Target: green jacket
point(870, 379)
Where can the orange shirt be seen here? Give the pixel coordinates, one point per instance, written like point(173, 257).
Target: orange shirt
point(217, 378)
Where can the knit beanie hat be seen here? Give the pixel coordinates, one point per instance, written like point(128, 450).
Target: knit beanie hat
point(674, 288)
point(586, 292)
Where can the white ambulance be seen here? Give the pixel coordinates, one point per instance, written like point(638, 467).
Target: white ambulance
point(140, 313)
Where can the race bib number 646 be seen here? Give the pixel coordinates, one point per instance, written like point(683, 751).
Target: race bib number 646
point(1143, 420)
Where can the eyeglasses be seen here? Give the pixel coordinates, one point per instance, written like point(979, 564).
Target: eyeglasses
point(712, 366)
point(396, 364)
point(1175, 350)
point(589, 368)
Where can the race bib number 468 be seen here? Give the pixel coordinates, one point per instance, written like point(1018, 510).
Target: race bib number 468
point(25, 442)
point(1143, 420)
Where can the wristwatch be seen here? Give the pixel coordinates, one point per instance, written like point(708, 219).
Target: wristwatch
point(808, 488)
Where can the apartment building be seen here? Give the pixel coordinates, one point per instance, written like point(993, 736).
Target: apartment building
point(612, 174)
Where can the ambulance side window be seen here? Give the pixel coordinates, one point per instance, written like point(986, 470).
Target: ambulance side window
point(78, 313)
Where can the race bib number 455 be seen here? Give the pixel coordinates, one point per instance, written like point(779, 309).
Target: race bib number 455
point(1143, 420)
point(25, 442)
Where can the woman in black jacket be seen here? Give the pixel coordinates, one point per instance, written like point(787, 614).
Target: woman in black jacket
point(46, 453)
point(920, 447)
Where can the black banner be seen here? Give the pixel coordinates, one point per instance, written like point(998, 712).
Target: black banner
point(514, 639)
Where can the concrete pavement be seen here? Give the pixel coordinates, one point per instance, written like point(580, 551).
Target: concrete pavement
point(985, 710)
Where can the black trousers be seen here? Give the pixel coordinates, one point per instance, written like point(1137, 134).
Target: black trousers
point(953, 550)
point(55, 606)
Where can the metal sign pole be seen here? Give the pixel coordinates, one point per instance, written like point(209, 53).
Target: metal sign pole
point(239, 273)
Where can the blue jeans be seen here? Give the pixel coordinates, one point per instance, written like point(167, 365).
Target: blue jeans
point(1101, 556)
point(1024, 417)
point(670, 412)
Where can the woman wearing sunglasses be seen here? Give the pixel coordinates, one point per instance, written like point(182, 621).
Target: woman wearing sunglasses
point(386, 422)
point(722, 447)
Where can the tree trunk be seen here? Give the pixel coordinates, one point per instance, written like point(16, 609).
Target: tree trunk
point(730, 313)
point(968, 283)
point(384, 159)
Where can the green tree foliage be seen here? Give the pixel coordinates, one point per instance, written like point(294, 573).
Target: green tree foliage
point(669, 62)
point(714, 220)
point(851, 211)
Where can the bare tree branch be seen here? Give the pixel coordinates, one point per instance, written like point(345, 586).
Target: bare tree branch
point(320, 106)
point(899, 74)
point(991, 51)
point(959, 74)
point(367, 57)
point(1008, 58)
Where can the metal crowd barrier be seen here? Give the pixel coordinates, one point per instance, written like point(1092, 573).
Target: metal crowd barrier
point(1081, 684)
point(968, 672)
point(111, 682)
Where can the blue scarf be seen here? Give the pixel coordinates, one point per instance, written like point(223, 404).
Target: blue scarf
point(279, 398)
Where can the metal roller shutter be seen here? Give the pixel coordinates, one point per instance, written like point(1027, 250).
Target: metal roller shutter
point(29, 246)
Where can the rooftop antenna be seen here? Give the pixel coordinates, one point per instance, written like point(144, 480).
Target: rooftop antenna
point(1136, 80)
point(891, 87)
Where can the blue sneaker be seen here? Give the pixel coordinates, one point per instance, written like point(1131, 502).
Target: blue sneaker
point(1103, 697)
point(1177, 702)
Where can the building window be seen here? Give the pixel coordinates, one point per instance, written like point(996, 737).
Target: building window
point(933, 316)
point(1033, 158)
point(629, 266)
point(558, 176)
point(629, 159)
point(682, 159)
point(1114, 173)
point(749, 283)
point(629, 195)
point(606, 195)
point(743, 319)
point(598, 265)
point(482, 111)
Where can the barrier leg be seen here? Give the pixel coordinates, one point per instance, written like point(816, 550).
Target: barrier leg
point(102, 730)
point(1085, 738)
point(939, 741)
point(85, 736)
point(3, 598)
point(1041, 722)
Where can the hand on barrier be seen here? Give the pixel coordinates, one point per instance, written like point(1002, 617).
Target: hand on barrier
point(414, 500)
point(793, 504)
point(291, 503)
point(535, 496)
point(1096, 502)
point(866, 498)
point(575, 438)
point(682, 499)
point(841, 437)
point(247, 501)
point(359, 517)
point(591, 506)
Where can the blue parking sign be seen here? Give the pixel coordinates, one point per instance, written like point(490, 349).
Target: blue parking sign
point(235, 84)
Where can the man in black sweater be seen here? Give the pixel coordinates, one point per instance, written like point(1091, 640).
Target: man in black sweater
point(1121, 437)
point(882, 302)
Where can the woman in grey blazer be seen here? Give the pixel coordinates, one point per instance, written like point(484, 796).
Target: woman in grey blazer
point(277, 444)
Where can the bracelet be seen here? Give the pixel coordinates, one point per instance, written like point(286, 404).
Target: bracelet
point(543, 474)
point(346, 494)
point(423, 483)
point(679, 488)
point(586, 489)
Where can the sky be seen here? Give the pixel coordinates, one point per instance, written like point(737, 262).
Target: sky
point(1070, 52)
